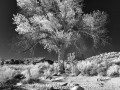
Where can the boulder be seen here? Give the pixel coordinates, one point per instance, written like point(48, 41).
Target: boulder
point(77, 87)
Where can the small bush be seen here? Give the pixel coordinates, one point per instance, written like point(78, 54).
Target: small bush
point(56, 67)
point(102, 71)
point(73, 69)
point(6, 76)
point(49, 71)
point(27, 76)
point(85, 67)
point(34, 72)
point(93, 70)
point(71, 56)
point(67, 67)
point(89, 71)
point(113, 71)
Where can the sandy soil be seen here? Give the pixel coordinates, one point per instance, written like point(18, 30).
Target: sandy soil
point(88, 83)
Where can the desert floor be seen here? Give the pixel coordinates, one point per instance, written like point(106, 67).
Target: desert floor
point(88, 83)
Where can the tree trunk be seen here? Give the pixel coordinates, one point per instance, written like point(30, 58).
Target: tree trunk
point(61, 60)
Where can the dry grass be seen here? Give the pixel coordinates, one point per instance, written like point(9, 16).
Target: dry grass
point(113, 71)
point(56, 68)
point(6, 76)
point(85, 67)
point(104, 64)
point(34, 72)
point(99, 64)
point(91, 68)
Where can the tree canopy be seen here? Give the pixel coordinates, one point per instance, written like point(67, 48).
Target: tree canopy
point(58, 24)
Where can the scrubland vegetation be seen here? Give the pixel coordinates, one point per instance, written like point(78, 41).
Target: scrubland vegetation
point(103, 65)
point(57, 25)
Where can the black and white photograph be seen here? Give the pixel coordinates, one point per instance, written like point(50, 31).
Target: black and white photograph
point(59, 45)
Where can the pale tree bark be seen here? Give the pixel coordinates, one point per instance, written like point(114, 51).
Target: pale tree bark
point(61, 53)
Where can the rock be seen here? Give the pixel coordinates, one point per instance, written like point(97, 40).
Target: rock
point(59, 79)
point(103, 79)
point(56, 74)
point(19, 76)
point(19, 84)
point(77, 87)
point(65, 84)
point(53, 88)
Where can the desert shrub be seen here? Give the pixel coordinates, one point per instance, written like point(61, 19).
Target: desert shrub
point(113, 71)
point(71, 65)
point(31, 73)
point(73, 69)
point(6, 76)
point(57, 67)
point(84, 67)
point(89, 71)
point(34, 72)
point(102, 67)
point(101, 70)
point(49, 71)
point(67, 67)
point(83, 64)
point(116, 61)
point(90, 68)
point(93, 70)
point(99, 64)
point(27, 76)
point(71, 56)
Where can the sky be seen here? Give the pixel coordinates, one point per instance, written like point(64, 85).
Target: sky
point(7, 29)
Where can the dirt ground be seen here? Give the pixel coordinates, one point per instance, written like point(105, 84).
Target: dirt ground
point(88, 83)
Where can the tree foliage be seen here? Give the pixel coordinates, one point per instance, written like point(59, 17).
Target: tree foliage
point(58, 24)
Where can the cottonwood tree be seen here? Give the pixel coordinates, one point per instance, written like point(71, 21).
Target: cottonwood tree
point(58, 24)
